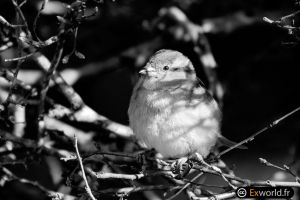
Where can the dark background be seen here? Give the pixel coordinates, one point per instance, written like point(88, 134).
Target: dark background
point(258, 66)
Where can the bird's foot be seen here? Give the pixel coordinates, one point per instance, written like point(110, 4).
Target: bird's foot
point(146, 159)
point(181, 167)
point(197, 157)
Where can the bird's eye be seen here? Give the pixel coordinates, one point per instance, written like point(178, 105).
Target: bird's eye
point(166, 68)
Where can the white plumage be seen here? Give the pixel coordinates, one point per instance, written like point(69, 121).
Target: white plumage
point(169, 109)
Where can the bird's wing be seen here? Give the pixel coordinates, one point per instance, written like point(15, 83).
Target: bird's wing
point(199, 92)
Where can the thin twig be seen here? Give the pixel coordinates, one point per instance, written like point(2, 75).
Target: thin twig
point(226, 195)
point(285, 168)
point(247, 182)
point(109, 153)
point(4, 22)
point(288, 169)
point(185, 186)
point(55, 62)
point(19, 11)
point(267, 163)
point(10, 77)
point(249, 139)
point(37, 17)
point(32, 146)
point(20, 49)
point(200, 159)
point(127, 190)
point(87, 187)
point(106, 175)
point(83, 113)
point(18, 58)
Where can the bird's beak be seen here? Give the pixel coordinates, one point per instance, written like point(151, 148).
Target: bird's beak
point(148, 70)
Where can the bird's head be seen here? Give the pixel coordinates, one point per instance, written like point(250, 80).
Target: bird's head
point(168, 68)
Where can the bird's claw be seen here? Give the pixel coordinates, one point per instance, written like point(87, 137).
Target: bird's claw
point(181, 167)
point(199, 158)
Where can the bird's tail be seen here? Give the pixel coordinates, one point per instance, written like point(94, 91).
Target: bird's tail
point(223, 141)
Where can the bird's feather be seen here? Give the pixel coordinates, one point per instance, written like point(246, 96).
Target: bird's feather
point(223, 141)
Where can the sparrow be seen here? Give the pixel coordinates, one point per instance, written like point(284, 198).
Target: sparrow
point(171, 111)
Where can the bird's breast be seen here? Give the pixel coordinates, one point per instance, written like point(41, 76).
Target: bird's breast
point(167, 116)
point(173, 122)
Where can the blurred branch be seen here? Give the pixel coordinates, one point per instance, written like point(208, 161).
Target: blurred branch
point(21, 15)
point(37, 17)
point(128, 190)
point(85, 138)
point(141, 52)
point(228, 23)
point(86, 114)
point(226, 195)
point(188, 31)
point(82, 111)
point(9, 176)
point(9, 76)
point(4, 22)
point(49, 73)
point(43, 146)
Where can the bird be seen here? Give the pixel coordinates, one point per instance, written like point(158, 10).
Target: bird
point(171, 111)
